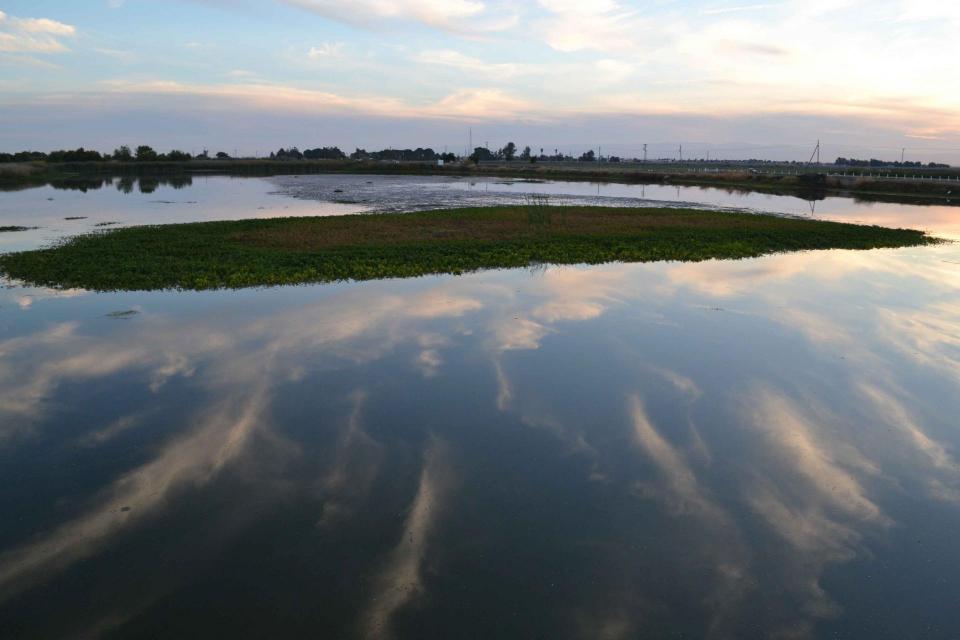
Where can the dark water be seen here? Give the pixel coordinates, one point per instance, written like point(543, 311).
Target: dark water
point(752, 449)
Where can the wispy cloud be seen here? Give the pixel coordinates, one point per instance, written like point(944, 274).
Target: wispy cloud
point(463, 103)
point(19, 60)
point(33, 35)
point(457, 60)
point(736, 9)
point(458, 16)
point(326, 51)
point(603, 26)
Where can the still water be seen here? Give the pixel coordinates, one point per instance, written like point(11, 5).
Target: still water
point(752, 449)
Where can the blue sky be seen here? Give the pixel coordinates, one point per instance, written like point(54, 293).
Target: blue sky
point(738, 78)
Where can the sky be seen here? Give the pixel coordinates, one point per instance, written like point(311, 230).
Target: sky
point(732, 78)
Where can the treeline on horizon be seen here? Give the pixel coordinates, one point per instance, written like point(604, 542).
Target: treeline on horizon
point(146, 153)
point(143, 153)
point(334, 153)
point(873, 162)
point(508, 153)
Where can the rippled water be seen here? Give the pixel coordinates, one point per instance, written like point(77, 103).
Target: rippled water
point(761, 448)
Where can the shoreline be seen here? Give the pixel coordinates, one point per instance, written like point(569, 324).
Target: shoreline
point(805, 184)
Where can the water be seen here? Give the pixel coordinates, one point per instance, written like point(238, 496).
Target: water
point(762, 448)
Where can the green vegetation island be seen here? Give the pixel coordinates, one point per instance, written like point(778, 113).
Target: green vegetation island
point(263, 252)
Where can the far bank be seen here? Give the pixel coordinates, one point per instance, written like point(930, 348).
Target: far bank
point(941, 186)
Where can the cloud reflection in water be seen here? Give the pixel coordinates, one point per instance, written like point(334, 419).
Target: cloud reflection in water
point(738, 404)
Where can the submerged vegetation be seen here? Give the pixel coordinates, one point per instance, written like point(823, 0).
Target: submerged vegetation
point(276, 251)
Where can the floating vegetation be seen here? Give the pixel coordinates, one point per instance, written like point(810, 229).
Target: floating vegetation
point(243, 253)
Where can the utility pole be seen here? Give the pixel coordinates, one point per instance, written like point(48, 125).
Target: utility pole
point(903, 153)
point(815, 154)
point(681, 153)
point(599, 152)
point(644, 153)
point(470, 143)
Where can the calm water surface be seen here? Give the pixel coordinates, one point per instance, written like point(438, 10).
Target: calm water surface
point(753, 449)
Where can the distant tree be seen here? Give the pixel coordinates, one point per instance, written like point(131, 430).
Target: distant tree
point(146, 154)
point(123, 154)
point(205, 155)
point(222, 155)
point(525, 155)
point(482, 154)
point(78, 155)
point(29, 156)
point(420, 154)
point(400, 155)
point(873, 162)
point(588, 156)
point(177, 156)
point(287, 154)
point(509, 152)
point(325, 153)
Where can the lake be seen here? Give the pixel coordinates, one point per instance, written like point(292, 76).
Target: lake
point(762, 448)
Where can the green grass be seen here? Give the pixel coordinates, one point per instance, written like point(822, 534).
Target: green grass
point(247, 253)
